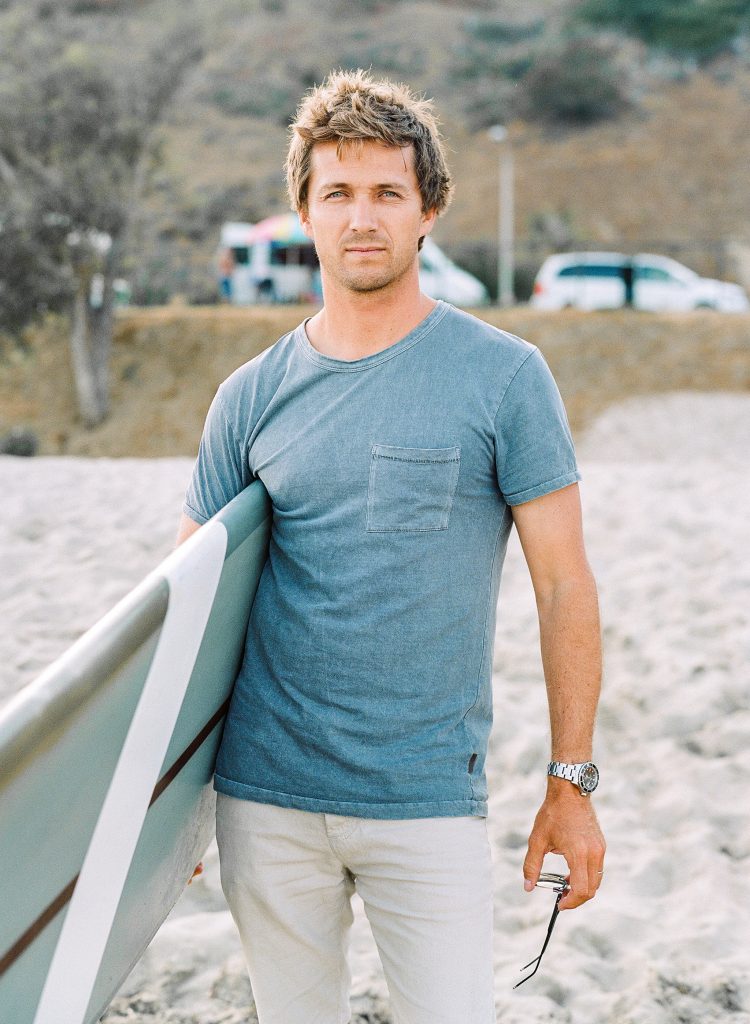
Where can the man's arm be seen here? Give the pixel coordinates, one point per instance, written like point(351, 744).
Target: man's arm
point(551, 535)
point(186, 529)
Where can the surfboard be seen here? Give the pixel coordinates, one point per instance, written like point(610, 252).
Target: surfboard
point(106, 763)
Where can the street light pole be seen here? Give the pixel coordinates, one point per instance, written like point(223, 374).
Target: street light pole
point(505, 240)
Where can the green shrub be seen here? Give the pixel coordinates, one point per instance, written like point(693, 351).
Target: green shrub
point(489, 103)
point(402, 59)
point(699, 28)
point(474, 61)
point(517, 67)
point(578, 84)
point(487, 63)
point(498, 31)
point(258, 96)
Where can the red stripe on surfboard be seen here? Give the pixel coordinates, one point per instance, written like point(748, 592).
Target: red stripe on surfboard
point(188, 752)
point(38, 926)
point(64, 897)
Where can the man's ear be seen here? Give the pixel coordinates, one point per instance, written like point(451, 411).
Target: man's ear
point(304, 220)
point(428, 221)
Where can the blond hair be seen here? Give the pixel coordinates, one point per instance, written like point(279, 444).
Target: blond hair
point(350, 108)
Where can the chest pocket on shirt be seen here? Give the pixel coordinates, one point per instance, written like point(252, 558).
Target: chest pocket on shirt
point(411, 489)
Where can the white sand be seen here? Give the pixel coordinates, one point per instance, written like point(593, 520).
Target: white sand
point(666, 492)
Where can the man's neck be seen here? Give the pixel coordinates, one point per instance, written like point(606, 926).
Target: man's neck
point(355, 325)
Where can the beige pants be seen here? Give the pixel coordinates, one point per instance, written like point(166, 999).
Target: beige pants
point(289, 876)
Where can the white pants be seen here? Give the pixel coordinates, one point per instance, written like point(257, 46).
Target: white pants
point(426, 884)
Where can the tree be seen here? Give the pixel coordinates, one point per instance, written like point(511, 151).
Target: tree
point(577, 84)
point(697, 28)
point(76, 144)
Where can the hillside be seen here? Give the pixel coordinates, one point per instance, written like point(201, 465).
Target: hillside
point(167, 363)
point(667, 174)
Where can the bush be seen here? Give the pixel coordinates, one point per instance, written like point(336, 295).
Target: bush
point(255, 98)
point(498, 31)
point(490, 103)
point(401, 59)
point(576, 85)
point(474, 61)
point(690, 27)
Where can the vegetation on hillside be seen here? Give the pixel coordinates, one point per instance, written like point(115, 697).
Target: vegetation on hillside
point(75, 147)
point(73, 74)
point(692, 28)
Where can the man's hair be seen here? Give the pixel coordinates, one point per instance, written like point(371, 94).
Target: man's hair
point(350, 108)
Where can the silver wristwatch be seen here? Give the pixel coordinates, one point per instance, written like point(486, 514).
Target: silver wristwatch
point(584, 775)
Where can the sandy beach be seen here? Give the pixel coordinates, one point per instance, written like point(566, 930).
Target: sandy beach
point(665, 492)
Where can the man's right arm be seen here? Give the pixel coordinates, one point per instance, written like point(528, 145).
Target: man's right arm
point(186, 529)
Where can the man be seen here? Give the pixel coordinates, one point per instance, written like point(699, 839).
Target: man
point(399, 440)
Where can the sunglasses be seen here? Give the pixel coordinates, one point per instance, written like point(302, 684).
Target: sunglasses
point(558, 884)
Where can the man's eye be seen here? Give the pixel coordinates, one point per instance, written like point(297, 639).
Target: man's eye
point(390, 192)
point(332, 195)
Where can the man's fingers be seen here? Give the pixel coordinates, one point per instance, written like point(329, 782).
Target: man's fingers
point(198, 870)
point(596, 869)
point(586, 873)
point(579, 884)
point(532, 865)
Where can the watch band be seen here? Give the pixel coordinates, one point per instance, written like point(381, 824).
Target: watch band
point(584, 774)
point(561, 770)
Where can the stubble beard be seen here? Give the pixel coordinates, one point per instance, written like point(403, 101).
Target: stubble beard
point(366, 281)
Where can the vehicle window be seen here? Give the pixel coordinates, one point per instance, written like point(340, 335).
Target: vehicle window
point(293, 255)
point(241, 255)
point(591, 270)
point(653, 274)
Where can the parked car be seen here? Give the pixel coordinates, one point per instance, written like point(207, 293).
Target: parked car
point(441, 278)
point(274, 261)
point(608, 280)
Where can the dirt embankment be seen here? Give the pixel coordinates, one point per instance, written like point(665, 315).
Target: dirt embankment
point(168, 362)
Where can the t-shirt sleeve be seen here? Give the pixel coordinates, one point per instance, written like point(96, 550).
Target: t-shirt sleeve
point(534, 450)
point(221, 470)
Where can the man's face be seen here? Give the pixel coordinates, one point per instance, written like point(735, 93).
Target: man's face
point(364, 213)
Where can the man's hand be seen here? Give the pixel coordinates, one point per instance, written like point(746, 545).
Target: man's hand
point(566, 824)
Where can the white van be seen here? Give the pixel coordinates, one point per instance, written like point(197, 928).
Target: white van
point(274, 261)
point(441, 278)
point(608, 280)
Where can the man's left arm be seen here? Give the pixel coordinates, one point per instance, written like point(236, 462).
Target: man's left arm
point(551, 534)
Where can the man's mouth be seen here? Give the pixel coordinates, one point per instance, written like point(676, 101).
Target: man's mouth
point(371, 245)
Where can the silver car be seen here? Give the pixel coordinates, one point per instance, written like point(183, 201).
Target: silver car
point(609, 280)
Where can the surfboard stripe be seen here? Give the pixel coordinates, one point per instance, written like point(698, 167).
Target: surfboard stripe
point(63, 898)
point(47, 915)
point(188, 752)
point(193, 572)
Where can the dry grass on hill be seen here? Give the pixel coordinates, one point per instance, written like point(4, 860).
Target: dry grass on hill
point(168, 362)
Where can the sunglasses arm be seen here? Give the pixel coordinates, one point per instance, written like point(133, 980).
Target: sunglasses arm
point(538, 959)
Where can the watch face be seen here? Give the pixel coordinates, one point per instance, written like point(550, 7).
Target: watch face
point(589, 777)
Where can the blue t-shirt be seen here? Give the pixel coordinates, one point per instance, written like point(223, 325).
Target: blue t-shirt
point(365, 687)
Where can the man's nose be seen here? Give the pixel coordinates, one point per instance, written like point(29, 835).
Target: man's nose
point(363, 216)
